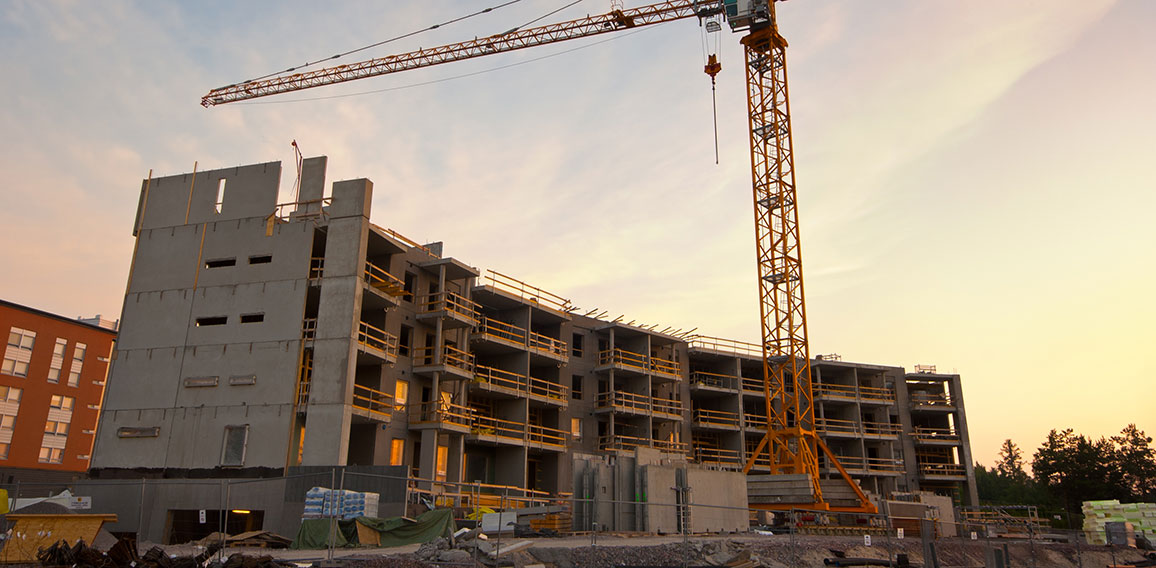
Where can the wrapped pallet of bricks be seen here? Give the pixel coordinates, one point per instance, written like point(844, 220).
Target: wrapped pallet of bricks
point(1140, 518)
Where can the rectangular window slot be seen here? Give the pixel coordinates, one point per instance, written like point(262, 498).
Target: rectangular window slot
point(220, 262)
point(220, 195)
point(261, 259)
point(243, 380)
point(215, 320)
point(252, 318)
point(147, 432)
point(196, 382)
point(236, 439)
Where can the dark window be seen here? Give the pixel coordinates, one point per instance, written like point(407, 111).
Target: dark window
point(576, 387)
point(261, 259)
point(405, 342)
point(576, 345)
point(252, 318)
point(220, 263)
point(410, 285)
point(215, 320)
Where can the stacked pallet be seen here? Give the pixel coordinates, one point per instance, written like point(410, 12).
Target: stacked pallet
point(557, 522)
point(1097, 515)
point(322, 502)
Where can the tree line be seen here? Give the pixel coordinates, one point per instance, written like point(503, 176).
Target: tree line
point(1070, 468)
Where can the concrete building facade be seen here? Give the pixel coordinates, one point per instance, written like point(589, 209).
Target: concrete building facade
point(52, 381)
point(259, 337)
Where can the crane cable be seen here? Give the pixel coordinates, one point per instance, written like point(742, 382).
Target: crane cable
point(392, 39)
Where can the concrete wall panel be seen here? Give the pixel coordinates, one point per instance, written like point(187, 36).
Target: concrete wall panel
point(158, 319)
point(198, 435)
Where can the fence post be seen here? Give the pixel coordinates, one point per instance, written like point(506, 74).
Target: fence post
point(332, 506)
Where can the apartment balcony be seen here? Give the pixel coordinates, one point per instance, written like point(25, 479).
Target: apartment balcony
point(752, 386)
point(622, 403)
point(372, 405)
point(627, 444)
point(375, 345)
point(382, 289)
point(549, 393)
point(876, 395)
point(856, 465)
point(633, 363)
point(755, 423)
point(718, 457)
point(703, 382)
point(834, 393)
point(931, 402)
point(495, 431)
point(830, 427)
point(441, 415)
point(667, 408)
point(500, 382)
point(544, 346)
point(452, 361)
point(545, 438)
point(454, 310)
point(936, 436)
point(716, 420)
point(498, 333)
point(942, 471)
point(762, 463)
point(720, 346)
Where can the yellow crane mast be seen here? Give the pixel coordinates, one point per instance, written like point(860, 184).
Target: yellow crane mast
point(790, 445)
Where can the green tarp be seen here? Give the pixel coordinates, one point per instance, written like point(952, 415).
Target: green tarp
point(395, 531)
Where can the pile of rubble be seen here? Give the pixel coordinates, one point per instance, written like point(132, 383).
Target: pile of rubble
point(123, 555)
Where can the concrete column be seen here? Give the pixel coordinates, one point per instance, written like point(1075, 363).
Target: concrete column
point(959, 417)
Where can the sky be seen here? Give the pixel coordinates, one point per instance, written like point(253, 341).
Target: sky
point(975, 180)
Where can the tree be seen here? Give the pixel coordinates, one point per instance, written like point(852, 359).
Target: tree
point(1075, 469)
point(1011, 463)
point(1136, 463)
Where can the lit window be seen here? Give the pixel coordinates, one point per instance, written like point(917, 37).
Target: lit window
point(397, 451)
point(7, 423)
point(10, 394)
point(443, 460)
point(56, 428)
point(51, 455)
point(401, 395)
point(60, 402)
point(3, 451)
point(576, 428)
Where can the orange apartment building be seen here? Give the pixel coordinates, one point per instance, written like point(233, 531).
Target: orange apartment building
point(51, 385)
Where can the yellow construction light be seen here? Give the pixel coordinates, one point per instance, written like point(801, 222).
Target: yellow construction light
point(240, 511)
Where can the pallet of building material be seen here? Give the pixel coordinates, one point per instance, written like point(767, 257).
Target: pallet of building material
point(557, 522)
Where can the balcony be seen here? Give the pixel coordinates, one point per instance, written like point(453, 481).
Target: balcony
point(500, 333)
point(638, 405)
point(705, 344)
point(701, 381)
point(943, 471)
point(554, 349)
point(372, 405)
point(499, 381)
point(375, 343)
point(452, 360)
point(631, 362)
point(831, 392)
point(487, 429)
point(717, 457)
point(751, 385)
point(544, 438)
point(384, 288)
point(715, 419)
point(755, 422)
point(627, 444)
point(549, 393)
point(441, 415)
point(876, 395)
point(454, 309)
point(853, 429)
point(931, 401)
point(936, 436)
point(856, 465)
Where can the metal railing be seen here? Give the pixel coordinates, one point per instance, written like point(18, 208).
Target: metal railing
point(631, 402)
point(454, 304)
point(500, 378)
point(498, 329)
point(408, 241)
point(935, 435)
point(531, 294)
point(706, 417)
point(716, 380)
point(750, 384)
point(440, 411)
point(547, 345)
point(285, 212)
point(547, 436)
point(628, 443)
point(726, 345)
point(667, 406)
point(381, 280)
point(547, 389)
point(881, 394)
point(376, 338)
point(717, 457)
point(309, 329)
point(451, 356)
point(373, 401)
point(832, 425)
point(496, 427)
point(755, 421)
point(858, 463)
point(950, 469)
point(930, 399)
point(638, 361)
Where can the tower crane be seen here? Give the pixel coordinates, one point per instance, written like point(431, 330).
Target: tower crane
point(790, 445)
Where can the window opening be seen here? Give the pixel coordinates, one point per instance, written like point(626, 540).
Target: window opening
point(252, 318)
point(220, 262)
point(220, 195)
point(261, 259)
point(233, 452)
point(215, 320)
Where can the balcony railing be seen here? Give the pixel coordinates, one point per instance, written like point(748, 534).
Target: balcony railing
point(930, 399)
point(942, 469)
point(501, 330)
point(726, 346)
point(500, 378)
point(451, 356)
point(717, 456)
point(926, 435)
point(453, 304)
point(373, 401)
point(489, 426)
point(755, 421)
point(529, 293)
point(705, 417)
point(834, 426)
point(834, 391)
point(751, 384)
point(547, 345)
point(547, 436)
point(441, 412)
point(667, 406)
point(876, 394)
point(381, 280)
point(714, 380)
point(547, 389)
point(630, 402)
point(628, 443)
point(856, 463)
point(378, 339)
point(638, 361)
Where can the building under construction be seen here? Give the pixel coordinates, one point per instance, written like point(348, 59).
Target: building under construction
point(258, 337)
